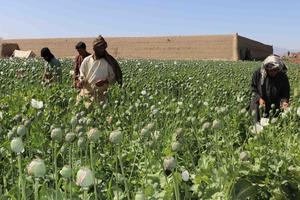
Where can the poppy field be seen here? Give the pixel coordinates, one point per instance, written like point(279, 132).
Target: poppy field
point(176, 130)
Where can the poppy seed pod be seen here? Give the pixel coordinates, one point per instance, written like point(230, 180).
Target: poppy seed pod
point(18, 118)
point(21, 130)
point(145, 132)
point(176, 146)
point(89, 122)
point(79, 129)
point(53, 126)
point(16, 145)
point(179, 132)
point(140, 196)
point(85, 177)
point(74, 121)
point(14, 129)
point(37, 168)
point(70, 137)
point(206, 125)
point(170, 163)
point(66, 171)
point(63, 150)
point(81, 142)
point(244, 156)
point(10, 134)
point(116, 137)
point(94, 135)
point(216, 124)
point(27, 123)
point(56, 134)
point(40, 114)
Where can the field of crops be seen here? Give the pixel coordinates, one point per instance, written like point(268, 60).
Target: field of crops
point(176, 130)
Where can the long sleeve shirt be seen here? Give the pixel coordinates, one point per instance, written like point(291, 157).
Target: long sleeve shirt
point(53, 69)
point(274, 89)
point(93, 70)
point(78, 61)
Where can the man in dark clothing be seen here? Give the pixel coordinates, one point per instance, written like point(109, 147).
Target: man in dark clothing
point(81, 49)
point(270, 87)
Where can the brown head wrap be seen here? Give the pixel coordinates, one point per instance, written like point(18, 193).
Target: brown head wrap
point(99, 41)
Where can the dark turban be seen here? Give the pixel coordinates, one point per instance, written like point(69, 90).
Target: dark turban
point(99, 41)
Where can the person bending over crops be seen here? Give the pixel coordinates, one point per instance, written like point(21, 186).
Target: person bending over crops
point(82, 54)
point(52, 70)
point(98, 71)
point(270, 87)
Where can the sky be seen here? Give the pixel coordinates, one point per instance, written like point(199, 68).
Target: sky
point(271, 22)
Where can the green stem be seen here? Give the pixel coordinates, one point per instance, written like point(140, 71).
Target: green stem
point(71, 164)
point(185, 191)
point(135, 157)
point(117, 176)
point(21, 182)
point(36, 189)
point(66, 185)
point(85, 194)
point(71, 188)
point(55, 169)
point(93, 169)
point(146, 163)
point(175, 186)
point(122, 170)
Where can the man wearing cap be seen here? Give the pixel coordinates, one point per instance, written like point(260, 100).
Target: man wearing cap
point(270, 87)
point(82, 54)
point(52, 70)
point(98, 71)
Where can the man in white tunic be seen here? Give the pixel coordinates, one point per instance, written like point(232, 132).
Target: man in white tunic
point(98, 71)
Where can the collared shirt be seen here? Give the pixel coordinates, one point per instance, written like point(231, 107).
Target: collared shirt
point(53, 68)
point(94, 70)
point(78, 61)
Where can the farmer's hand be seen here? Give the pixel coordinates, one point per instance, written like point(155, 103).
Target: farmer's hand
point(75, 83)
point(80, 84)
point(285, 105)
point(261, 101)
point(101, 82)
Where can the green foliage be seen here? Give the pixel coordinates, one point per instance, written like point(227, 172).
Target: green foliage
point(206, 99)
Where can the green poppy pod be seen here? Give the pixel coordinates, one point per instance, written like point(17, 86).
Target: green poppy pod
point(74, 121)
point(81, 142)
point(16, 145)
point(56, 134)
point(85, 177)
point(176, 146)
point(94, 135)
point(66, 171)
point(10, 134)
point(37, 168)
point(21, 130)
point(116, 137)
point(216, 124)
point(170, 163)
point(70, 137)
